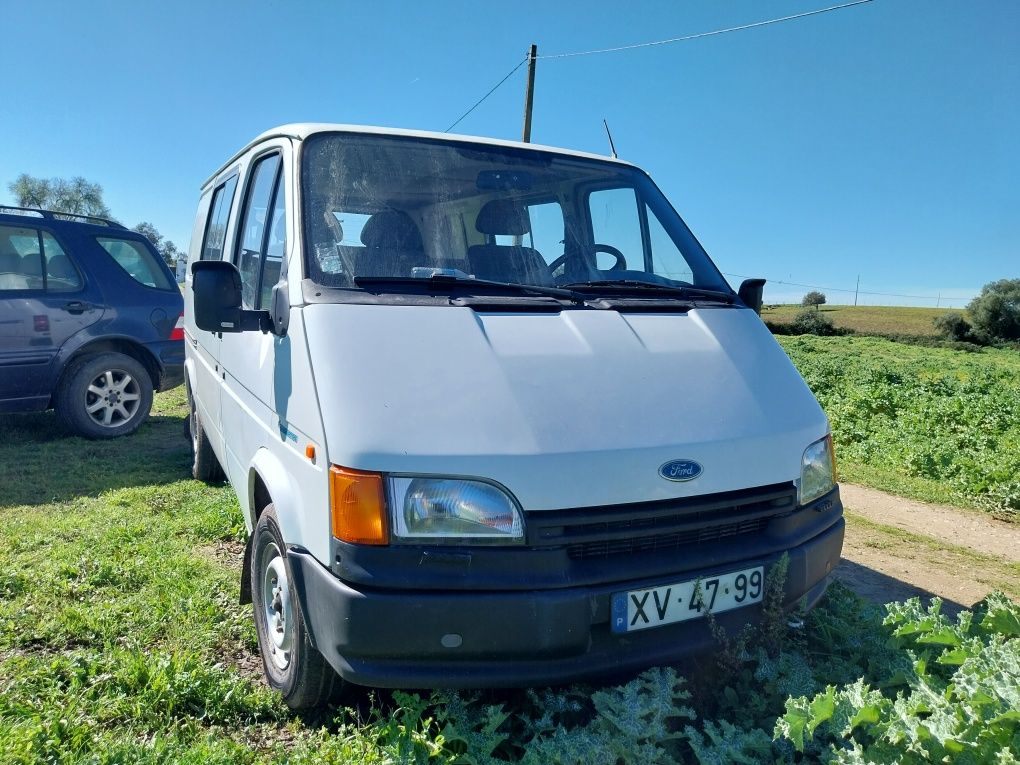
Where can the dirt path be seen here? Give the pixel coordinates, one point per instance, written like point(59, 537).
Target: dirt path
point(897, 548)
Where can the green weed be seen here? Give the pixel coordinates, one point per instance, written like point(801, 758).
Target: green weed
point(936, 424)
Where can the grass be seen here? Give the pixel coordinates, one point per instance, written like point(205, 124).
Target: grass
point(935, 424)
point(893, 321)
point(121, 639)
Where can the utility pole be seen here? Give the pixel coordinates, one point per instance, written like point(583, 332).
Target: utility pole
point(857, 288)
point(529, 94)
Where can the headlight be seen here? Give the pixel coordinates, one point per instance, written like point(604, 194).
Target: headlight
point(453, 510)
point(817, 471)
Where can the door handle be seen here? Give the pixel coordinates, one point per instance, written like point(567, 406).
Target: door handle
point(76, 307)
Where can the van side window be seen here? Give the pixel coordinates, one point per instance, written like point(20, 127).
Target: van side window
point(667, 259)
point(276, 247)
point(615, 221)
point(33, 260)
point(137, 261)
point(547, 229)
point(216, 224)
point(254, 231)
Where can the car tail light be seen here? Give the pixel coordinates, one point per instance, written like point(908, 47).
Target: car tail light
point(177, 333)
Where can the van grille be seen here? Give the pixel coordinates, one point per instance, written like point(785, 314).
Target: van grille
point(647, 527)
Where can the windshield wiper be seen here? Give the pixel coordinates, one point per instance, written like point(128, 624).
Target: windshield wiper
point(467, 281)
point(634, 285)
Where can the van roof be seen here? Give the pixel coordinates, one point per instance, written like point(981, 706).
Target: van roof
point(302, 130)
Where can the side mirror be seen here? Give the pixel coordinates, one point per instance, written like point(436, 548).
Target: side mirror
point(750, 293)
point(279, 307)
point(217, 288)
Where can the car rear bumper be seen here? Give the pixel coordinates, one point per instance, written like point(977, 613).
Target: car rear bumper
point(476, 639)
point(170, 354)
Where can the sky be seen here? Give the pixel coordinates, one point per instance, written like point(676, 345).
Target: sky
point(879, 142)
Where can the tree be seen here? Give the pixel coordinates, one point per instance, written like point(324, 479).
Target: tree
point(813, 298)
point(952, 325)
point(167, 249)
point(80, 197)
point(77, 195)
point(808, 322)
point(995, 313)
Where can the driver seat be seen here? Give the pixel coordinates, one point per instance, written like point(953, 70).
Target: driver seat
point(506, 263)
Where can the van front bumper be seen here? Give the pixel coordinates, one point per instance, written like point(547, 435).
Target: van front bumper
point(465, 639)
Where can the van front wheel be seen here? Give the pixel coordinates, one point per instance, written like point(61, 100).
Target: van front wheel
point(292, 664)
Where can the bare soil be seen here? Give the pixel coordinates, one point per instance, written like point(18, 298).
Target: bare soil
point(897, 548)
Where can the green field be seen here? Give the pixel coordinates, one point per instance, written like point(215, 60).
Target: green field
point(121, 639)
point(868, 320)
point(932, 423)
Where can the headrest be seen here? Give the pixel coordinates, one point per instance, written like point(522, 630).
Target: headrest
point(6, 248)
point(31, 264)
point(391, 230)
point(10, 263)
point(60, 267)
point(503, 216)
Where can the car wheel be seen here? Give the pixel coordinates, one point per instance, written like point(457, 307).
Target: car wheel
point(292, 664)
point(204, 465)
point(105, 396)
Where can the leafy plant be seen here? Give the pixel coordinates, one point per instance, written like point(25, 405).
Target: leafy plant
point(909, 417)
point(812, 323)
point(960, 703)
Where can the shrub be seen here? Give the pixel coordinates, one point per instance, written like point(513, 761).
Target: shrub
point(813, 298)
point(952, 326)
point(995, 313)
point(812, 323)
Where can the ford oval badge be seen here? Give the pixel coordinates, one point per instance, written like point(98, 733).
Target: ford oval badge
point(680, 470)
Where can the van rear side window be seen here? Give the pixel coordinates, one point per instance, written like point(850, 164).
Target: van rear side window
point(136, 259)
point(216, 225)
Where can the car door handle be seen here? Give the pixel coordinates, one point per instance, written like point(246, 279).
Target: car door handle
point(76, 307)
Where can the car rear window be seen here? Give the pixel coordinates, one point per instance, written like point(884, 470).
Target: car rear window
point(136, 259)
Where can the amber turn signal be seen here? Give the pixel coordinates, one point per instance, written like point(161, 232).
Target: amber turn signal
point(358, 506)
point(835, 465)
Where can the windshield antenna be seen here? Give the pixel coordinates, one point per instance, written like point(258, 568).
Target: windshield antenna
point(609, 135)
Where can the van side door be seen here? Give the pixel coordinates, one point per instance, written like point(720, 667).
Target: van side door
point(208, 242)
point(250, 358)
point(45, 298)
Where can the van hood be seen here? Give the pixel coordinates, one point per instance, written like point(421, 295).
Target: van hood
point(571, 409)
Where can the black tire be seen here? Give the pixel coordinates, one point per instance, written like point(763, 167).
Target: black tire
point(104, 396)
point(292, 664)
point(204, 465)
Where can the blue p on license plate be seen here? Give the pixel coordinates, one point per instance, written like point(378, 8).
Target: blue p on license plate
point(671, 603)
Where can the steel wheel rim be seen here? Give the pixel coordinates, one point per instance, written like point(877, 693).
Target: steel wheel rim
point(276, 606)
point(112, 398)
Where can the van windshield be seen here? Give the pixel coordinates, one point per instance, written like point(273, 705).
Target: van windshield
point(386, 210)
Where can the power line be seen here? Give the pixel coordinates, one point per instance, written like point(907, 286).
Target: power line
point(494, 88)
point(843, 289)
point(653, 43)
point(706, 34)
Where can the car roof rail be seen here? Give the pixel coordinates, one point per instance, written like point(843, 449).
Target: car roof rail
point(58, 215)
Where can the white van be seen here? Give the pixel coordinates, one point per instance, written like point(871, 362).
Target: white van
point(493, 416)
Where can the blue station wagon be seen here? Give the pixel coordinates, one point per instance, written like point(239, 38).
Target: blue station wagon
point(90, 321)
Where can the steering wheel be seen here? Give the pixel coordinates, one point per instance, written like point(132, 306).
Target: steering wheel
point(619, 265)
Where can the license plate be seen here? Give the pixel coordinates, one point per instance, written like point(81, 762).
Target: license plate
point(671, 603)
